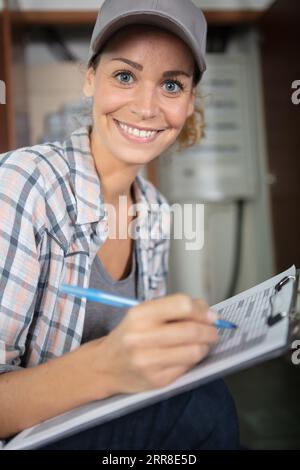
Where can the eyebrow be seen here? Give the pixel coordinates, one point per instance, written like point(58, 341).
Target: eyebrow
point(169, 73)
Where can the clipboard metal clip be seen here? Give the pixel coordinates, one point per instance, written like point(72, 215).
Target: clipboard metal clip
point(274, 317)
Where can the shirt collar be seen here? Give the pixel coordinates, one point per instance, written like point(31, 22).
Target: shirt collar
point(84, 177)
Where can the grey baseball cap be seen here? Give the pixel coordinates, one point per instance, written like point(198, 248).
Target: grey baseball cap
point(180, 17)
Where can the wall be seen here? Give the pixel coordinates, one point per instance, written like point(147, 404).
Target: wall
point(49, 88)
point(279, 33)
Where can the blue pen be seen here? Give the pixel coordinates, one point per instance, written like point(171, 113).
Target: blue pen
point(225, 324)
point(100, 296)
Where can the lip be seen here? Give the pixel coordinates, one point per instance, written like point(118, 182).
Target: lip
point(133, 138)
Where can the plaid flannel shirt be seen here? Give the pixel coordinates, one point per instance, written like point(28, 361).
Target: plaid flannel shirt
point(53, 221)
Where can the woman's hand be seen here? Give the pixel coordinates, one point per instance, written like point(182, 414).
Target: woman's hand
point(157, 342)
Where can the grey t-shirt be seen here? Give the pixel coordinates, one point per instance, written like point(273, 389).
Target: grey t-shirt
point(100, 319)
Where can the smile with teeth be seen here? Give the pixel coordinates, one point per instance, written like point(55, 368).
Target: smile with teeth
point(137, 132)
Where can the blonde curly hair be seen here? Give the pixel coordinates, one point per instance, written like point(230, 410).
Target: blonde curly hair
point(193, 129)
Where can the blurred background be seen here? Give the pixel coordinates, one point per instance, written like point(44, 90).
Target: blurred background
point(245, 171)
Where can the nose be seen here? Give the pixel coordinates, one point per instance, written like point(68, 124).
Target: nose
point(145, 104)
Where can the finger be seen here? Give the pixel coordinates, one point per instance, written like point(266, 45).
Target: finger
point(185, 332)
point(177, 334)
point(210, 315)
point(178, 356)
point(171, 308)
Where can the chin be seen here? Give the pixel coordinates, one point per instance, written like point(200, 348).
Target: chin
point(136, 156)
point(136, 159)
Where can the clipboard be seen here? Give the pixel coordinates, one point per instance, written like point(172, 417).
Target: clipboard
point(280, 326)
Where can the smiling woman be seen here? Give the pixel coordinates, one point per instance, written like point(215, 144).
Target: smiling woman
point(193, 127)
point(58, 352)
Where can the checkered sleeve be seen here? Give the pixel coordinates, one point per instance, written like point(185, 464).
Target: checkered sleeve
point(21, 215)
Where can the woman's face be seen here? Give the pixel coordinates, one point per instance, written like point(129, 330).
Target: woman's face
point(142, 93)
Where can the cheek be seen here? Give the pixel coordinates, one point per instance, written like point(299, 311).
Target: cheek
point(107, 100)
point(177, 115)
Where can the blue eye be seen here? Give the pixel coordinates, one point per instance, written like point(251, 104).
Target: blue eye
point(124, 77)
point(172, 84)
